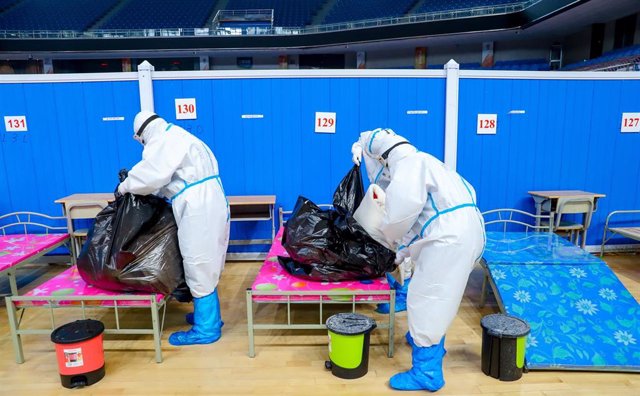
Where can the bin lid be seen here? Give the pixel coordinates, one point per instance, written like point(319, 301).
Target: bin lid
point(80, 330)
point(500, 325)
point(350, 324)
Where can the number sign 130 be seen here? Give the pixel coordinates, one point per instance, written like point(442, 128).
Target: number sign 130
point(325, 122)
point(15, 123)
point(630, 122)
point(487, 124)
point(186, 109)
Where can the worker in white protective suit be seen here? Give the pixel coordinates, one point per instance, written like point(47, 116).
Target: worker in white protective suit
point(380, 176)
point(180, 167)
point(432, 218)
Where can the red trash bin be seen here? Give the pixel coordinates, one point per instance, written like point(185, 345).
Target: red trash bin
point(79, 352)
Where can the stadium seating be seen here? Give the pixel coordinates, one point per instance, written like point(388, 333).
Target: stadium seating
point(346, 10)
point(166, 14)
point(54, 15)
point(4, 4)
point(525, 64)
point(287, 13)
point(448, 5)
point(160, 14)
point(611, 58)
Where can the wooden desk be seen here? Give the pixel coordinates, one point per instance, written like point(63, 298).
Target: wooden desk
point(242, 208)
point(253, 208)
point(81, 206)
point(547, 201)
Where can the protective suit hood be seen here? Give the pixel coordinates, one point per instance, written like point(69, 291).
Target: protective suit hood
point(146, 125)
point(378, 159)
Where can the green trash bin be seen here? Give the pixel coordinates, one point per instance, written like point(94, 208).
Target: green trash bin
point(349, 344)
point(503, 346)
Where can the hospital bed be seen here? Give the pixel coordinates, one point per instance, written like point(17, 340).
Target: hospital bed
point(581, 315)
point(67, 289)
point(631, 231)
point(24, 238)
point(273, 285)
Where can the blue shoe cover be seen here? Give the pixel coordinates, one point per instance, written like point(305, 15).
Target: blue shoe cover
point(189, 318)
point(426, 370)
point(410, 341)
point(401, 296)
point(207, 327)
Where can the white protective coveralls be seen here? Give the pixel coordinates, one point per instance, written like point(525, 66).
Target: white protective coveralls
point(180, 167)
point(432, 217)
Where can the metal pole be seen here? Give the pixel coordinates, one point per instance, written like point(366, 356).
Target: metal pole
point(145, 85)
point(451, 114)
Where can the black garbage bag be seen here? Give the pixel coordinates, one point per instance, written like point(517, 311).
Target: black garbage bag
point(329, 245)
point(350, 192)
point(133, 246)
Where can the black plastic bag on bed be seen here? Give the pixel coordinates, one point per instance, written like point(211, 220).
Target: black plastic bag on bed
point(133, 246)
point(329, 245)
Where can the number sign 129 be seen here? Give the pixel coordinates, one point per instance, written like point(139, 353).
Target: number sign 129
point(325, 122)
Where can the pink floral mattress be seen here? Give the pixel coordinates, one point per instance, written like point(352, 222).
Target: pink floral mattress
point(15, 249)
point(69, 283)
point(272, 277)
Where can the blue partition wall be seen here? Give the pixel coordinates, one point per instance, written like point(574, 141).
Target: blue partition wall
point(568, 139)
point(281, 154)
point(70, 149)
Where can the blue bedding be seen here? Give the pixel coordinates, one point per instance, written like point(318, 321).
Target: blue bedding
point(581, 315)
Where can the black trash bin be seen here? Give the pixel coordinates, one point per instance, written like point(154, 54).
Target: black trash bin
point(503, 346)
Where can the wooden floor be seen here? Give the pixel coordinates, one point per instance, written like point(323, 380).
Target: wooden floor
point(287, 363)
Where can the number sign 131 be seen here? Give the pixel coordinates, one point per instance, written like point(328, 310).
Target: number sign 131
point(15, 123)
point(487, 124)
point(325, 122)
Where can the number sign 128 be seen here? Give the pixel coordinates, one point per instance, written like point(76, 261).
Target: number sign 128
point(487, 124)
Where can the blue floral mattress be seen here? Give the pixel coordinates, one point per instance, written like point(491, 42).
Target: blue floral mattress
point(581, 315)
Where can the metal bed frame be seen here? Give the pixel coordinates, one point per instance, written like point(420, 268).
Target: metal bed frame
point(505, 217)
point(324, 298)
point(627, 232)
point(24, 220)
point(52, 302)
point(17, 305)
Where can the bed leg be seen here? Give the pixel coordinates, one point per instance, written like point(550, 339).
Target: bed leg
point(392, 320)
point(157, 342)
point(483, 292)
point(13, 326)
point(12, 282)
point(252, 352)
